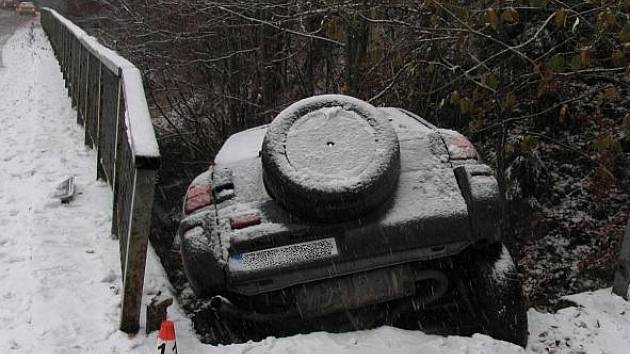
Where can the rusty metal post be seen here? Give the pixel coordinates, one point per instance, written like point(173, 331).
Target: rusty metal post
point(622, 271)
point(136, 255)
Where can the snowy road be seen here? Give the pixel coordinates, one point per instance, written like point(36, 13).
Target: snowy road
point(9, 21)
point(54, 269)
point(59, 268)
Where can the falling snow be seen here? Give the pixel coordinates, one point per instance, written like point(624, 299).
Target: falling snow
point(59, 266)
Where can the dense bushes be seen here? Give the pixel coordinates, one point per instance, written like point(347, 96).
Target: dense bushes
point(217, 67)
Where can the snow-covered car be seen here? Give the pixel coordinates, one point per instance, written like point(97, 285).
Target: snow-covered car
point(341, 212)
point(26, 8)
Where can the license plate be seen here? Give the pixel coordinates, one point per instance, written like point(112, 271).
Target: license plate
point(285, 256)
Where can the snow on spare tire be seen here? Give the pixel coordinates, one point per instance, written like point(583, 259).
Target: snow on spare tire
point(330, 158)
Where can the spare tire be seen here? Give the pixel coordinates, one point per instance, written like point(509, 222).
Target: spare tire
point(330, 158)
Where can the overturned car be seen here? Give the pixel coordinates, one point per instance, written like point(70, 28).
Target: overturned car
point(342, 215)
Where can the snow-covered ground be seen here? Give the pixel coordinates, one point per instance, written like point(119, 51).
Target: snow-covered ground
point(59, 268)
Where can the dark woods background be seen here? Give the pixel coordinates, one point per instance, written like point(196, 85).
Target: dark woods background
point(540, 86)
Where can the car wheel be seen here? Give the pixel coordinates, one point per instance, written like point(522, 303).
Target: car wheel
point(330, 158)
point(216, 330)
point(495, 294)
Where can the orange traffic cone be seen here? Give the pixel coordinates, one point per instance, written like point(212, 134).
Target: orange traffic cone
point(166, 343)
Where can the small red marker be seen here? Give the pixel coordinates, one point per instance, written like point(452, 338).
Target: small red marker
point(166, 343)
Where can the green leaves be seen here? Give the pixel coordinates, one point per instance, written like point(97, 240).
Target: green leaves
point(491, 80)
point(607, 21)
point(583, 59)
point(562, 115)
point(510, 16)
point(509, 101)
point(527, 144)
point(557, 63)
point(560, 19)
point(626, 123)
point(454, 98)
point(586, 56)
point(607, 143)
point(575, 62)
point(617, 57)
point(465, 105)
point(491, 18)
point(538, 3)
point(624, 35)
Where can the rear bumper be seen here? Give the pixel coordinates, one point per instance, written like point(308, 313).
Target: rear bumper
point(210, 256)
point(269, 280)
point(395, 284)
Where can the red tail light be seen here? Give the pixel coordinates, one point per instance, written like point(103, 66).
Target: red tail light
point(459, 147)
point(243, 221)
point(197, 197)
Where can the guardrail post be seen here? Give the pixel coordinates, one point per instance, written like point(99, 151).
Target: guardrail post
point(622, 271)
point(88, 115)
point(107, 123)
point(76, 65)
point(84, 66)
point(140, 223)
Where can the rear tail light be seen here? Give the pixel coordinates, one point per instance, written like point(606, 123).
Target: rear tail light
point(243, 221)
point(459, 147)
point(197, 197)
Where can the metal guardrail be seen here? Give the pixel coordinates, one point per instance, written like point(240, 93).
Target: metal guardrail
point(107, 92)
point(622, 270)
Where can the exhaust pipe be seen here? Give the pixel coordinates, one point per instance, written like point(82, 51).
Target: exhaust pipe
point(224, 307)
